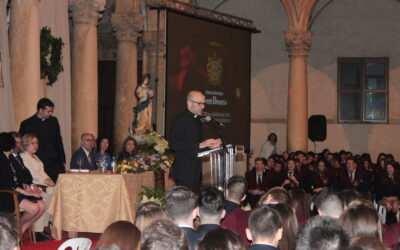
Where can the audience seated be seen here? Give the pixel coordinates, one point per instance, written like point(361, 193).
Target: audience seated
point(122, 234)
point(85, 153)
point(289, 226)
point(235, 193)
point(163, 235)
point(237, 219)
point(265, 228)
point(329, 204)
point(322, 233)
point(30, 202)
point(258, 179)
point(8, 232)
point(148, 212)
point(293, 176)
point(275, 195)
point(300, 203)
point(361, 219)
point(221, 239)
point(182, 208)
point(211, 204)
point(368, 242)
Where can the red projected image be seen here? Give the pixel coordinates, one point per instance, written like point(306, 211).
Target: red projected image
point(214, 59)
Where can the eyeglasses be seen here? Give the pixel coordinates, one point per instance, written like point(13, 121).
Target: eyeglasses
point(199, 103)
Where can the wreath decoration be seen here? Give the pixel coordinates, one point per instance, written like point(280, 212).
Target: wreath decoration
point(50, 56)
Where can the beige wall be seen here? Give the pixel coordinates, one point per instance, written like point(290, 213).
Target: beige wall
point(356, 28)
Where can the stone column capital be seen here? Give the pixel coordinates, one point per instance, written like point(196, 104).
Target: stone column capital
point(298, 43)
point(150, 42)
point(86, 11)
point(128, 26)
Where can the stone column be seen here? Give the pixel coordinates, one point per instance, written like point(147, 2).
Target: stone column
point(127, 26)
point(298, 44)
point(25, 57)
point(84, 67)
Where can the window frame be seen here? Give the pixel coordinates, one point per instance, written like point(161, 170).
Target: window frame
point(362, 64)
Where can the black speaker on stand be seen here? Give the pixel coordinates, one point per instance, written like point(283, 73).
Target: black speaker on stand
point(317, 129)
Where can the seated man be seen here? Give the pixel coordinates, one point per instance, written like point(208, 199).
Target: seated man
point(258, 181)
point(83, 157)
point(329, 204)
point(236, 219)
point(265, 228)
point(212, 210)
point(235, 193)
point(322, 233)
point(182, 209)
point(163, 234)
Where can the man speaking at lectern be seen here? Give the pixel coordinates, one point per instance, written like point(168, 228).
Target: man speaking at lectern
point(186, 141)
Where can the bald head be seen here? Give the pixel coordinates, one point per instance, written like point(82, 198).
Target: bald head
point(195, 102)
point(88, 141)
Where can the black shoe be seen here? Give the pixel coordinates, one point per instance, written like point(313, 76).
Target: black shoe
point(41, 237)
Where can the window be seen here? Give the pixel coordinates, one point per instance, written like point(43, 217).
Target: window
point(363, 90)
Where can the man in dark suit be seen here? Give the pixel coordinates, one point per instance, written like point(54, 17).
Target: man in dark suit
point(45, 126)
point(265, 228)
point(353, 177)
point(186, 142)
point(236, 218)
point(84, 155)
point(182, 208)
point(211, 210)
point(258, 180)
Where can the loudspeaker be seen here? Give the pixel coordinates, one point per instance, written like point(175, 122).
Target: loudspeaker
point(317, 128)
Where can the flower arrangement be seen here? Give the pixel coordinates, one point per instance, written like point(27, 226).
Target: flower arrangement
point(153, 155)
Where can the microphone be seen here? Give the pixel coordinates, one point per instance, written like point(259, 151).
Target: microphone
point(213, 121)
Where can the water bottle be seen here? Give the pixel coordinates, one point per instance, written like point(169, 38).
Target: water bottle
point(113, 165)
point(103, 164)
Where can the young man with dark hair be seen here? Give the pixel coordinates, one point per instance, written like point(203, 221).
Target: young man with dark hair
point(182, 208)
point(265, 228)
point(164, 235)
point(45, 126)
point(236, 218)
point(235, 193)
point(322, 233)
point(212, 210)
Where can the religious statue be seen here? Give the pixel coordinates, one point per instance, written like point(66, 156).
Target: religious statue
point(142, 122)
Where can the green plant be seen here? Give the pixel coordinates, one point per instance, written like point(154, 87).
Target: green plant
point(152, 194)
point(50, 56)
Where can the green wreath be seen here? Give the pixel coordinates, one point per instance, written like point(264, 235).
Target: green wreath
point(50, 56)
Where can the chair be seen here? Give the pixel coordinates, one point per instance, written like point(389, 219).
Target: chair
point(17, 213)
point(76, 244)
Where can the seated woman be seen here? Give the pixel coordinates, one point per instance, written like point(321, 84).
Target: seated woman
point(103, 144)
point(128, 149)
point(147, 213)
point(321, 178)
point(292, 176)
point(122, 234)
point(30, 202)
point(30, 144)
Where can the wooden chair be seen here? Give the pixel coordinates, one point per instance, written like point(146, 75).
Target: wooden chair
point(18, 213)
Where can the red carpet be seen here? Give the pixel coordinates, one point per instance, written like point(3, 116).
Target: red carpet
point(53, 244)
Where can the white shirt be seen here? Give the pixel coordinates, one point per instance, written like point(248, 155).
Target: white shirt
point(35, 166)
